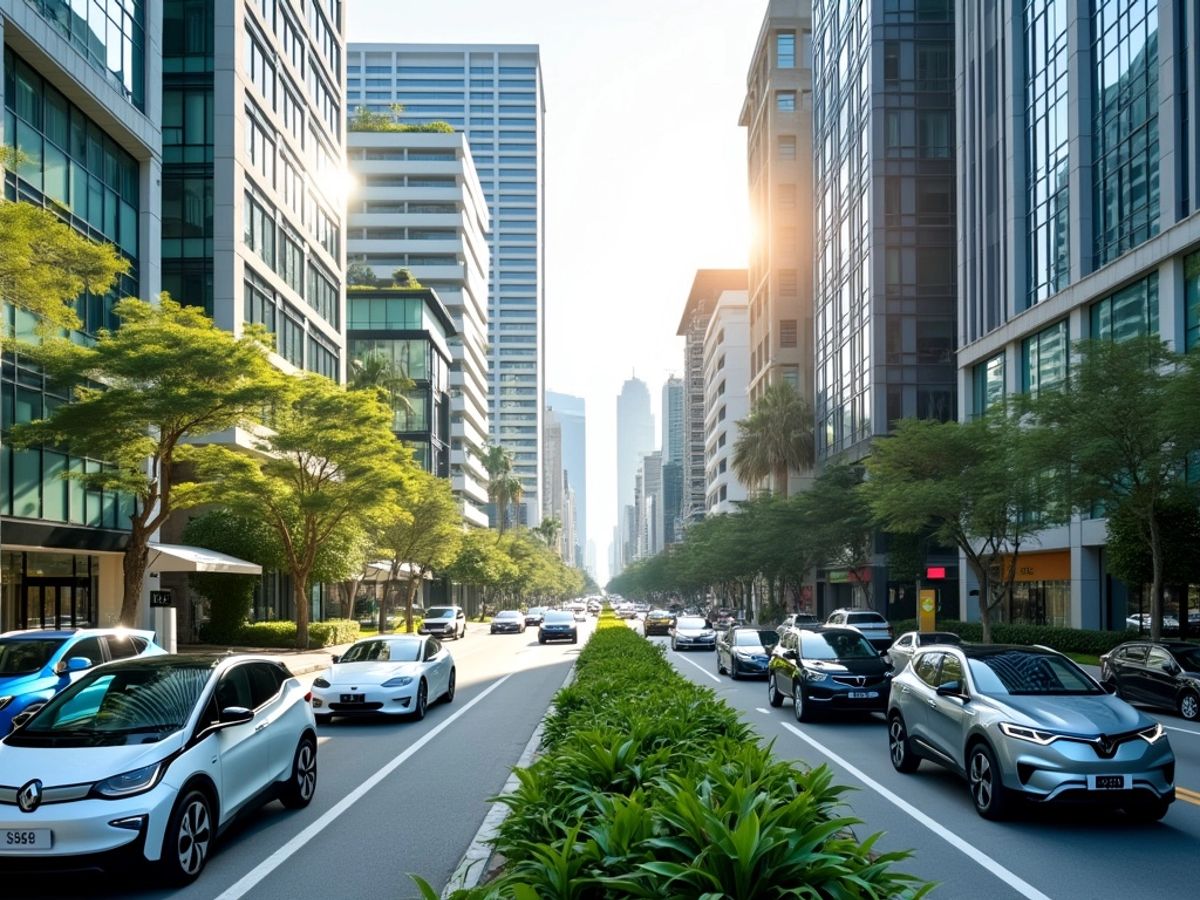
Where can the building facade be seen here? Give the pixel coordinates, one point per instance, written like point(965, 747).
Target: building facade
point(553, 478)
point(635, 438)
point(726, 371)
point(1079, 165)
point(672, 458)
point(572, 417)
point(493, 94)
point(418, 204)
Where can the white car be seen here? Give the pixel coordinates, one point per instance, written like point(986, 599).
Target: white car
point(445, 622)
point(146, 761)
point(392, 675)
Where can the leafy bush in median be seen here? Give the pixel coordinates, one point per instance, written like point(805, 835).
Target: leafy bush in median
point(283, 634)
point(651, 787)
point(1064, 640)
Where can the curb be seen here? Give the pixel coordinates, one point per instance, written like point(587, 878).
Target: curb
point(473, 866)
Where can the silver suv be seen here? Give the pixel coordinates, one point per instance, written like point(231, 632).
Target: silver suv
point(873, 625)
point(1026, 722)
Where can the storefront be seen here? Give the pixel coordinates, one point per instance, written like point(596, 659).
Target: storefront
point(40, 589)
point(1041, 589)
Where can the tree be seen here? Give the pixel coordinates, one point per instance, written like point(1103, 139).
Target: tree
point(775, 438)
point(973, 485)
point(365, 120)
point(836, 516)
point(1127, 553)
point(360, 274)
point(404, 278)
point(483, 563)
point(170, 378)
point(229, 596)
point(376, 371)
point(329, 468)
point(424, 534)
point(549, 530)
point(504, 488)
point(1120, 432)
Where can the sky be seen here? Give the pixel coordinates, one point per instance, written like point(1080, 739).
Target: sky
point(645, 179)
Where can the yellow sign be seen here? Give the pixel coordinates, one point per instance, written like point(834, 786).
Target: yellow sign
point(927, 617)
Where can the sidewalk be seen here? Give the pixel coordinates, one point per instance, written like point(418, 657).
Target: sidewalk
point(299, 662)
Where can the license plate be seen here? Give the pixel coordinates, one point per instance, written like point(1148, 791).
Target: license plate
point(26, 839)
point(864, 695)
point(353, 698)
point(1108, 782)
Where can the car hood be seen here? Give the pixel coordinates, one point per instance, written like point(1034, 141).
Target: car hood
point(546, 624)
point(358, 673)
point(79, 765)
point(870, 666)
point(19, 684)
point(1087, 715)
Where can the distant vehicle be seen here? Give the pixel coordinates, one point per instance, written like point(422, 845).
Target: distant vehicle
point(36, 665)
point(874, 627)
point(1142, 622)
point(1165, 674)
point(906, 645)
point(508, 621)
point(444, 621)
point(827, 668)
point(396, 675)
point(579, 615)
point(691, 632)
point(722, 618)
point(744, 650)
point(576, 606)
point(797, 620)
point(534, 615)
point(558, 625)
point(657, 621)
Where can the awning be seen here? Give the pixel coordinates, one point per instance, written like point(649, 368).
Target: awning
point(182, 558)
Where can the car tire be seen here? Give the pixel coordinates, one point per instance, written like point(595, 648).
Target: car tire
point(988, 793)
point(799, 707)
point(1148, 812)
point(324, 718)
point(300, 787)
point(541, 640)
point(773, 696)
point(673, 645)
point(720, 668)
point(900, 747)
point(422, 701)
point(189, 837)
point(1189, 706)
point(450, 686)
point(733, 670)
point(575, 640)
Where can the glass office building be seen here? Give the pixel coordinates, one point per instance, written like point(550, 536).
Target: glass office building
point(493, 93)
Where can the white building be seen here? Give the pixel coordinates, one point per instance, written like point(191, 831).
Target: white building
point(726, 374)
point(418, 205)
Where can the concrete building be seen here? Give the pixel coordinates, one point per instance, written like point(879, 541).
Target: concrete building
point(493, 94)
point(553, 483)
point(884, 242)
point(572, 417)
point(726, 370)
point(707, 286)
point(672, 458)
point(569, 541)
point(418, 205)
point(635, 438)
point(650, 505)
point(777, 116)
point(1078, 182)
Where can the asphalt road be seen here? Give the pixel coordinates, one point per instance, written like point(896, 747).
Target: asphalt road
point(1060, 854)
point(427, 785)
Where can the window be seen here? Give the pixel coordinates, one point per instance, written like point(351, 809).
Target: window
point(785, 101)
point(951, 670)
point(787, 146)
point(112, 40)
point(934, 134)
point(1130, 312)
point(935, 341)
point(260, 69)
point(934, 69)
point(926, 667)
point(1191, 291)
point(788, 333)
point(1044, 359)
point(988, 384)
point(891, 60)
point(260, 145)
point(785, 50)
point(259, 228)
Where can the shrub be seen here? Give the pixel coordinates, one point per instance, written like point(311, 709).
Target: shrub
point(283, 634)
point(1065, 640)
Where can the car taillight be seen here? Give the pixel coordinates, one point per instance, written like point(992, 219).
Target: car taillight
point(308, 697)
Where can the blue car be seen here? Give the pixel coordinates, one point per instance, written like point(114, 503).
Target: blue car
point(36, 665)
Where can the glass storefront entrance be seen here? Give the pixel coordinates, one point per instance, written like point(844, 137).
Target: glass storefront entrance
point(56, 603)
point(48, 590)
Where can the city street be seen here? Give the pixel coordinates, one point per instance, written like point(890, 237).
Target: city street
point(1060, 854)
point(393, 797)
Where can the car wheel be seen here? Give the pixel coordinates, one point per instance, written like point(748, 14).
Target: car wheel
point(422, 701)
point(720, 668)
point(673, 646)
point(189, 837)
point(541, 640)
point(1189, 706)
point(988, 792)
point(799, 707)
point(903, 758)
point(323, 718)
point(773, 696)
point(449, 695)
point(733, 669)
point(575, 639)
point(1150, 811)
point(303, 783)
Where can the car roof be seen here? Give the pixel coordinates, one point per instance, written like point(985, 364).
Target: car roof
point(34, 634)
point(982, 651)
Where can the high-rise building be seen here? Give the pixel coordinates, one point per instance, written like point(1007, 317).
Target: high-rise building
point(492, 93)
point(82, 101)
point(572, 416)
point(569, 541)
point(650, 506)
point(1079, 169)
point(707, 286)
point(726, 366)
point(635, 438)
point(672, 419)
point(777, 116)
point(553, 483)
point(418, 193)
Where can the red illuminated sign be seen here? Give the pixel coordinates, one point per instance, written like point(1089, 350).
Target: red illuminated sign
point(933, 573)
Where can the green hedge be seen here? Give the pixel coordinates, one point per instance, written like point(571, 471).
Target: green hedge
point(1065, 640)
point(283, 634)
point(650, 786)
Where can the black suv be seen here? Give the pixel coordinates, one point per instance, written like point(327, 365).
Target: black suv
point(827, 669)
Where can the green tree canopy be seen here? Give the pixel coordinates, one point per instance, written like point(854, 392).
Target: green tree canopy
point(776, 438)
point(365, 120)
point(504, 487)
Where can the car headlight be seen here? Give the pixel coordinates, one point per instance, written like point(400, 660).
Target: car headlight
point(1025, 733)
point(1153, 734)
point(814, 675)
point(4, 701)
point(134, 782)
point(398, 681)
point(320, 682)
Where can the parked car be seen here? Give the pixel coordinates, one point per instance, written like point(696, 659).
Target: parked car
point(827, 668)
point(657, 621)
point(904, 646)
point(1166, 674)
point(797, 620)
point(558, 625)
point(444, 621)
point(874, 627)
point(508, 621)
point(722, 619)
point(534, 615)
point(745, 650)
point(1142, 622)
point(692, 632)
point(144, 761)
point(395, 675)
point(36, 665)
point(1026, 722)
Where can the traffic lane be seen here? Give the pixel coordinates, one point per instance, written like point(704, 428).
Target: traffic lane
point(1035, 848)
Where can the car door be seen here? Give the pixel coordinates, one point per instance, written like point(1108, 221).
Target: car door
point(788, 664)
point(916, 694)
point(1159, 678)
point(242, 750)
point(272, 715)
point(901, 652)
point(437, 672)
point(1128, 670)
point(946, 721)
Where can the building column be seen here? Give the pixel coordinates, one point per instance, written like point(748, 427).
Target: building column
point(1079, 109)
point(1170, 158)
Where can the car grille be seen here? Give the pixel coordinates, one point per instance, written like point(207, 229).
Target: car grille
point(355, 707)
point(859, 680)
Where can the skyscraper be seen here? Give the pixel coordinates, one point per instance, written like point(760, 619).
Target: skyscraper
point(726, 364)
point(635, 438)
point(672, 419)
point(553, 482)
point(572, 416)
point(493, 93)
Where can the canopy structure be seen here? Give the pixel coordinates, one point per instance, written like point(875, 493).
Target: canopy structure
point(182, 558)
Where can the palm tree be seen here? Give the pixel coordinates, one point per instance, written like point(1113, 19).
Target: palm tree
point(549, 531)
point(376, 371)
point(775, 438)
point(504, 488)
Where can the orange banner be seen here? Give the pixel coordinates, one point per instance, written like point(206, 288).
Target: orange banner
point(1047, 566)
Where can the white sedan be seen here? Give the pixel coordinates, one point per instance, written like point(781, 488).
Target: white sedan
point(391, 675)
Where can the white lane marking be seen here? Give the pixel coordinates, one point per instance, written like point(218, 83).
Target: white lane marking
point(1022, 887)
point(323, 739)
point(251, 879)
point(697, 665)
point(1184, 730)
point(765, 712)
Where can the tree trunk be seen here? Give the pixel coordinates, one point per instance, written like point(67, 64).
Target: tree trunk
point(1156, 600)
point(414, 582)
point(137, 555)
point(300, 593)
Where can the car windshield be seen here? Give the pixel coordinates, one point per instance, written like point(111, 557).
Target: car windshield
point(755, 639)
point(658, 614)
point(1188, 658)
point(1019, 672)
point(25, 656)
point(440, 612)
point(555, 617)
point(690, 623)
point(835, 645)
point(111, 707)
point(926, 638)
point(397, 650)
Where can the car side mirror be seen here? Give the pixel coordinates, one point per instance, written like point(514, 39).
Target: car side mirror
point(791, 654)
point(235, 715)
point(71, 665)
point(951, 689)
point(335, 657)
point(1110, 687)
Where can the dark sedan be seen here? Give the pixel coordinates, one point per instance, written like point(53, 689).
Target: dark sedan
point(658, 621)
point(743, 651)
point(558, 625)
point(508, 621)
point(827, 669)
point(1165, 674)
